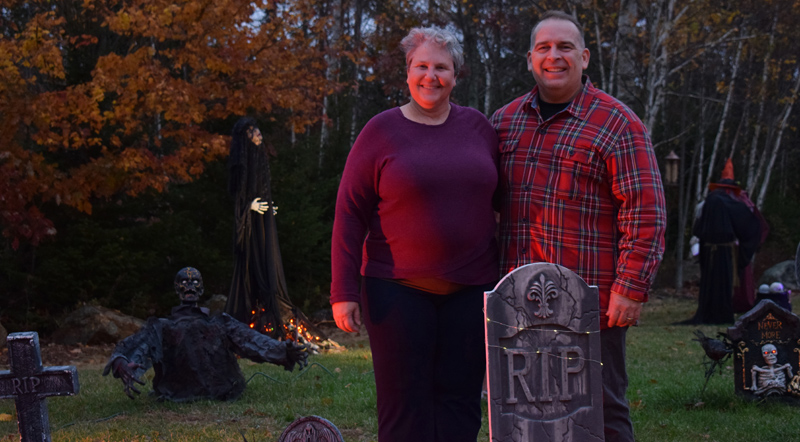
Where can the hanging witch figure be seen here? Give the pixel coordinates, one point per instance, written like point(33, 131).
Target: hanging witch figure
point(258, 293)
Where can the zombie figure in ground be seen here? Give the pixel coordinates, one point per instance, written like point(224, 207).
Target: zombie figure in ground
point(193, 353)
point(770, 379)
point(258, 292)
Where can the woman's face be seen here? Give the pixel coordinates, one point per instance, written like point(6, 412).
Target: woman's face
point(431, 76)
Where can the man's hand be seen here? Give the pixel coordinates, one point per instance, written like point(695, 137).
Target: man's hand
point(258, 206)
point(347, 315)
point(125, 371)
point(622, 311)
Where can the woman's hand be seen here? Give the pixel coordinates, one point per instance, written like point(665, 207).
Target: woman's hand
point(347, 315)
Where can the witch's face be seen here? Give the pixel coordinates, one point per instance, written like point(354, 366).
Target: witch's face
point(254, 135)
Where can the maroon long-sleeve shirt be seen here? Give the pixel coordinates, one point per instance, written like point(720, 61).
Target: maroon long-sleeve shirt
point(415, 201)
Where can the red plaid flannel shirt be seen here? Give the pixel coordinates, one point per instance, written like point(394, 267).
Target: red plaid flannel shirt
point(582, 190)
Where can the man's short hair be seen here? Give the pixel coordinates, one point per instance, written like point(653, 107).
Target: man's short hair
point(558, 15)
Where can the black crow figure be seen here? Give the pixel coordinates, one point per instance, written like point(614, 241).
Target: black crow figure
point(716, 350)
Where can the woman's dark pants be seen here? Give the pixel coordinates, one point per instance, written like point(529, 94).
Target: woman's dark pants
point(429, 359)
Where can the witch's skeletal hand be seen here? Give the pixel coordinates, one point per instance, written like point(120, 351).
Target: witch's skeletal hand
point(259, 207)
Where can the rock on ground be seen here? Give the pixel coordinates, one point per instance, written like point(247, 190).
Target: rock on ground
point(93, 325)
point(782, 272)
point(216, 303)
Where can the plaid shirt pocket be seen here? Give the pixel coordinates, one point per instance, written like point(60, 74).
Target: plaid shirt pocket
point(571, 171)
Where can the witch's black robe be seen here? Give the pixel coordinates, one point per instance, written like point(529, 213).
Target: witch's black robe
point(729, 233)
point(258, 288)
point(194, 354)
point(258, 292)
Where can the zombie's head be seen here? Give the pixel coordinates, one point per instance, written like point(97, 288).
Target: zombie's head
point(770, 354)
point(189, 285)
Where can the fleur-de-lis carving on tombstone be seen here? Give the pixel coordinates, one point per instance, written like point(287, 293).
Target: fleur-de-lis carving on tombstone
point(542, 291)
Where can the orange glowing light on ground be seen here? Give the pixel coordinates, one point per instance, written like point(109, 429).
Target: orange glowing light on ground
point(293, 330)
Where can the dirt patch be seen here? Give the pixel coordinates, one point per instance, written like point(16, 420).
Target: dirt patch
point(77, 355)
point(347, 340)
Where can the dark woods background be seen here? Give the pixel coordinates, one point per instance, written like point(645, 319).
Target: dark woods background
point(115, 116)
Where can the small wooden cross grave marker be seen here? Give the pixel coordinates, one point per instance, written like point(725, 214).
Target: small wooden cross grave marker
point(29, 384)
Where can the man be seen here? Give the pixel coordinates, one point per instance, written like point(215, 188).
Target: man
point(581, 188)
point(193, 354)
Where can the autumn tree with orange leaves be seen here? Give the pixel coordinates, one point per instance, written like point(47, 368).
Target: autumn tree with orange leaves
point(106, 97)
point(114, 116)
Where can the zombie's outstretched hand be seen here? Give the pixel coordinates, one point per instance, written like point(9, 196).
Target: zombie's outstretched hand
point(296, 354)
point(126, 371)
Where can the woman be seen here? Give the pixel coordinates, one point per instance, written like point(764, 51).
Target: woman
point(258, 292)
point(418, 184)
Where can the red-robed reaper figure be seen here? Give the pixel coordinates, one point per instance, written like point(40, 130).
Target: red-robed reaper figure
point(730, 229)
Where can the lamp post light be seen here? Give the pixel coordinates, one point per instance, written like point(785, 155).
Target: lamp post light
point(671, 169)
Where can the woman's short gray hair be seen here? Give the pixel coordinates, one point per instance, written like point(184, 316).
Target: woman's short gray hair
point(433, 34)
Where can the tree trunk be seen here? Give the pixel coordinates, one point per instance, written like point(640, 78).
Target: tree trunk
point(357, 17)
point(724, 118)
point(752, 172)
point(784, 122)
point(598, 35)
point(699, 193)
point(657, 72)
point(742, 127)
point(612, 70)
point(682, 210)
point(332, 63)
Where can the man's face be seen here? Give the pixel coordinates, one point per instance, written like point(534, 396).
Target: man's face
point(557, 60)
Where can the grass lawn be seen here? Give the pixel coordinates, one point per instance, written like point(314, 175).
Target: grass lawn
point(666, 378)
point(664, 365)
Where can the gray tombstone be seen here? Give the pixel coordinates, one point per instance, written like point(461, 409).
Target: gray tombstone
point(766, 353)
point(543, 357)
point(311, 429)
point(29, 384)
